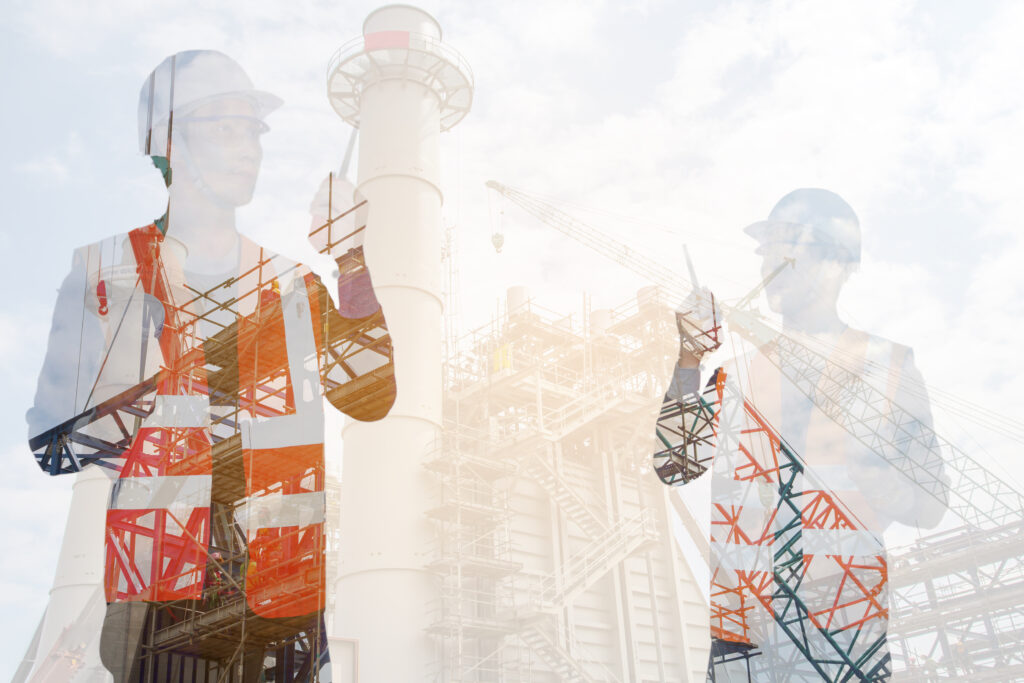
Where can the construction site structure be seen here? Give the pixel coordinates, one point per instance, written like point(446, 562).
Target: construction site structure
point(958, 605)
point(961, 614)
point(557, 546)
point(401, 86)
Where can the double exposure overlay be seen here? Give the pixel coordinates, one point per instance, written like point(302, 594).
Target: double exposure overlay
point(402, 422)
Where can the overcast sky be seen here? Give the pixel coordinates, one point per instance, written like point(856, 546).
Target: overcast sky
point(663, 123)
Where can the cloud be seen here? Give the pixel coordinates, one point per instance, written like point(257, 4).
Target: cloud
point(55, 168)
point(48, 169)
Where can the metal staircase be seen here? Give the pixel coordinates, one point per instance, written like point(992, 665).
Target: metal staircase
point(569, 669)
point(567, 497)
point(596, 560)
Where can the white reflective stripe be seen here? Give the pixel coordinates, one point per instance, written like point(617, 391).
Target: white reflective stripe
point(303, 428)
point(752, 495)
point(741, 557)
point(856, 542)
point(156, 493)
point(279, 510)
point(306, 425)
point(179, 412)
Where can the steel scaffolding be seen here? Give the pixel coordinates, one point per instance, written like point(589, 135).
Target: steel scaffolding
point(557, 550)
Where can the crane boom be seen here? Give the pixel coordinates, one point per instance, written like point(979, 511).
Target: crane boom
point(607, 246)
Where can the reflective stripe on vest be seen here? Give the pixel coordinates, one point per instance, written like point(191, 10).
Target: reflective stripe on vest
point(158, 520)
point(283, 512)
point(163, 493)
point(180, 412)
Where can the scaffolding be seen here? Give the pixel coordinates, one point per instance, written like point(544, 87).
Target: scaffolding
point(958, 604)
point(557, 553)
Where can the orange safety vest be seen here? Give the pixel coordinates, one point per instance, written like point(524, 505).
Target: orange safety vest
point(158, 521)
point(845, 579)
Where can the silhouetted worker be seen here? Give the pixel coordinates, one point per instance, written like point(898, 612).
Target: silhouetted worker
point(210, 349)
point(795, 496)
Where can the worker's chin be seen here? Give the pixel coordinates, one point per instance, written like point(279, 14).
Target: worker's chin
point(234, 189)
point(236, 197)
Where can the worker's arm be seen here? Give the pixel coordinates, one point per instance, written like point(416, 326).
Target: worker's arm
point(894, 495)
point(697, 322)
point(357, 362)
point(74, 351)
point(913, 395)
point(685, 375)
point(684, 434)
point(358, 367)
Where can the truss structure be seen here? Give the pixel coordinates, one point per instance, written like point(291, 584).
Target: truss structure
point(957, 598)
point(824, 640)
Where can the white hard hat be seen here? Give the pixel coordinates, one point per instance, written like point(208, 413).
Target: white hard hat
point(816, 216)
point(187, 80)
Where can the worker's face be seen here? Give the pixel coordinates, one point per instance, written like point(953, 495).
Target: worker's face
point(814, 277)
point(223, 140)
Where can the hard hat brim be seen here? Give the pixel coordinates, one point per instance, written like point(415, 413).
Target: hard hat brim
point(769, 232)
point(775, 231)
point(264, 102)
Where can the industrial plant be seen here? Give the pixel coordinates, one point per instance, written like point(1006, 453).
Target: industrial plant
point(510, 506)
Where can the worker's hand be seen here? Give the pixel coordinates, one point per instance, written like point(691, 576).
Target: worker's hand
point(698, 321)
point(338, 200)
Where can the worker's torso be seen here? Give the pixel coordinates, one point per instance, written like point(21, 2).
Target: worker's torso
point(237, 417)
point(758, 503)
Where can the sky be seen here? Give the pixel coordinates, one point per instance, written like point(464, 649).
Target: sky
point(660, 123)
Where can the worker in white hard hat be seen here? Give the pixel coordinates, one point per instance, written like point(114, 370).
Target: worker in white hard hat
point(199, 112)
point(213, 338)
point(809, 245)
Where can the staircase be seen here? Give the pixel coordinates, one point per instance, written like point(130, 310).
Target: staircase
point(555, 657)
point(571, 502)
point(596, 560)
